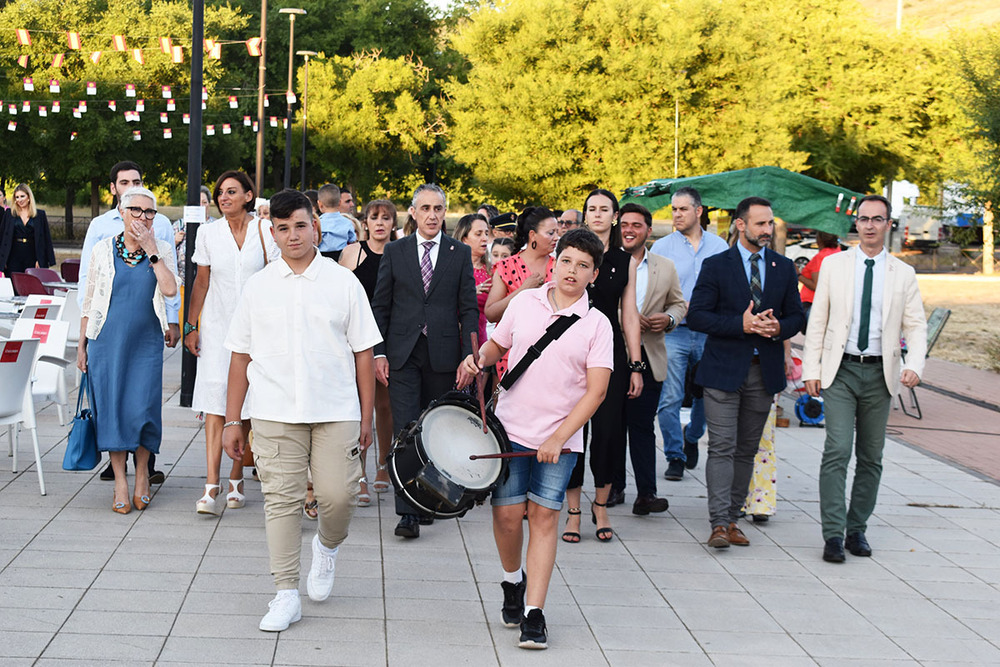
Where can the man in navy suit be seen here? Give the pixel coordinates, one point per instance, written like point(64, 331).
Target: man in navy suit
point(425, 306)
point(747, 302)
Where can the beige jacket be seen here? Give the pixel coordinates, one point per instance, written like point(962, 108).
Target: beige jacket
point(833, 308)
point(662, 296)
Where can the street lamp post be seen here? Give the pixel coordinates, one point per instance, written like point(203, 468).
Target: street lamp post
point(305, 113)
point(292, 13)
point(261, 76)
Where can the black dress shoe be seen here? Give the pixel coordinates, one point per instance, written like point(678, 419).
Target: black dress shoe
point(833, 551)
point(408, 526)
point(425, 520)
point(857, 544)
point(643, 505)
point(675, 470)
point(617, 497)
point(108, 474)
point(156, 477)
point(690, 451)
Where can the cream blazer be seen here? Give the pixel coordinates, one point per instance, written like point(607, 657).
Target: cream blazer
point(101, 276)
point(833, 308)
point(663, 295)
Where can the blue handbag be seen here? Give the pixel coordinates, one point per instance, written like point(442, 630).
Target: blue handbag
point(81, 449)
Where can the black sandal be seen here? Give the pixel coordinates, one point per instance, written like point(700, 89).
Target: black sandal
point(570, 536)
point(603, 534)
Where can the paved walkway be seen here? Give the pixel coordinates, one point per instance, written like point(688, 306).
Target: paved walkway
point(80, 585)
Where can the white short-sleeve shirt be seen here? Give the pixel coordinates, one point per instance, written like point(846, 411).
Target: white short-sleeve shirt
point(301, 332)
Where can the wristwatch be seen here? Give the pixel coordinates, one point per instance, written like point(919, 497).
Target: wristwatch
point(153, 259)
point(637, 366)
point(188, 328)
point(673, 322)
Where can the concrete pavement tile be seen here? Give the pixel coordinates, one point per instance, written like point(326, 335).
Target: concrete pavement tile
point(17, 662)
point(228, 603)
point(951, 591)
point(27, 597)
point(133, 562)
point(945, 648)
point(50, 541)
point(599, 595)
point(21, 644)
point(770, 583)
point(832, 614)
point(561, 653)
point(295, 651)
point(207, 582)
point(625, 638)
point(431, 590)
point(220, 625)
point(150, 623)
point(238, 651)
point(739, 643)
point(432, 655)
point(654, 617)
point(238, 563)
point(988, 629)
point(667, 582)
point(694, 560)
point(153, 547)
point(109, 647)
point(454, 633)
point(622, 578)
point(63, 560)
point(113, 599)
point(989, 575)
point(919, 573)
point(864, 646)
point(26, 619)
point(143, 580)
point(46, 577)
point(863, 662)
point(656, 659)
point(410, 609)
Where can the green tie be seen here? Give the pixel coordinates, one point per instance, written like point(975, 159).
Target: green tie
point(866, 305)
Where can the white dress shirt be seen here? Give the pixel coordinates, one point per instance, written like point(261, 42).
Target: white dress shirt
point(301, 332)
point(875, 322)
point(434, 248)
point(641, 280)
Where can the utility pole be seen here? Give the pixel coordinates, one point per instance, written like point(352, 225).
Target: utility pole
point(988, 240)
point(261, 76)
point(305, 114)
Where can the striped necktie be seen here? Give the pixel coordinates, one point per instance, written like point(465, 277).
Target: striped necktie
point(755, 290)
point(426, 270)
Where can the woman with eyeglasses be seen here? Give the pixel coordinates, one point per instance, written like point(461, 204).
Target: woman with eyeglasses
point(227, 251)
point(122, 329)
point(25, 240)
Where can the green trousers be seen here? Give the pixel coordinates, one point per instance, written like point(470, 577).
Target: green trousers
point(858, 403)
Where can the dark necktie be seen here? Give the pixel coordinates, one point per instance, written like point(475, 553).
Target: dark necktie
point(755, 290)
point(426, 270)
point(866, 305)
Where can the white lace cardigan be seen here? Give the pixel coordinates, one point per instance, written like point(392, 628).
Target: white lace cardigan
point(101, 276)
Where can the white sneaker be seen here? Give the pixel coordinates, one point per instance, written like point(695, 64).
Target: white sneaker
point(284, 609)
point(319, 583)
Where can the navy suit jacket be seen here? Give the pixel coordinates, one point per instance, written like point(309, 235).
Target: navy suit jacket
point(718, 301)
point(448, 309)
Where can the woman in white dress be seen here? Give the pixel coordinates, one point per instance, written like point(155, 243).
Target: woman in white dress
point(227, 251)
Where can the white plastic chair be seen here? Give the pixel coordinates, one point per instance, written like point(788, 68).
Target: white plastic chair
point(16, 407)
point(6, 288)
point(48, 381)
point(49, 300)
point(42, 312)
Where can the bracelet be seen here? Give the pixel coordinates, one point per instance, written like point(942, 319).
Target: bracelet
point(637, 366)
point(188, 328)
point(235, 422)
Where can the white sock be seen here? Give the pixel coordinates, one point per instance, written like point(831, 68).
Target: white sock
point(528, 608)
point(512, 577)
point(327, 550)
point(287, 592)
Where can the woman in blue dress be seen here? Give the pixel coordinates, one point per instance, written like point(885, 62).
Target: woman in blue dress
point(122, 331)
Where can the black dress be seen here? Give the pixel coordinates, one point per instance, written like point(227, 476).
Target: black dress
point(367, 271)
point(607, 441)
point(24, 244)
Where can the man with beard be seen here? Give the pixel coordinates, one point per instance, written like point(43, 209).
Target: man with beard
point(747, 302)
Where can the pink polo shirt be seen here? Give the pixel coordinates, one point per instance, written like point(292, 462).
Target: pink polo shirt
point(552, 386)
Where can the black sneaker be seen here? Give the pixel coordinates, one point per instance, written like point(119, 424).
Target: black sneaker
point(690, 450)
point(108, 474)
point(675, 470)
point(513, 602)
point(533, 631)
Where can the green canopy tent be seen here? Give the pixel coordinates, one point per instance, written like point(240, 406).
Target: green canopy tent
point(796, 199)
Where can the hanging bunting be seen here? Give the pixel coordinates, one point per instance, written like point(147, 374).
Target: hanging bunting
point(25, 106)
point(267, 101)
point(131, 117)
point(163, 117)
point(226, 128)
point(23, 38)
point(253, 46)
point(130, 90)
point(165, 91)
point(233, 104)
point(204, 93)
point(171, 106)
point(73, 40)
point(246, 121)
point(29, 83)
point(167, 133)
point(290, 97)
point(187, 118)
point(76, 113)
point(23, 61)
point(112, 105)
point(118, 41)
point(136, 135)
point(12, 125)
point(53, 85)
point(12, 109)
point(95, 56)
point(177, 54)
point(274, 121)
point(83, 106)
point(137, 56)
point(57, 60)
point(72, 136)
point(55, 106)
point(255, 126)
point(91, 88)
point(210, 130)
point(284, 123)
point(42, 111)
point(140, 106)
point(216, 52)
point(165, 45)
point(209, 44)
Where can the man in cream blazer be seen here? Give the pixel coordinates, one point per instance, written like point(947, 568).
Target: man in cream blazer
point(865, 301)
point(661, 308)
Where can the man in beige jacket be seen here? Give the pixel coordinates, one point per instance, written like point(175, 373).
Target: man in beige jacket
point(866, 300)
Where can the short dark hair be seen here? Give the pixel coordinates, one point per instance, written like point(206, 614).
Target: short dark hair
point(688, 191)
point(313, 196)
point(287, 202)
point(244, 181)
point(491, 210)
point(124, 165)
point(632, 207)
point(583, 240)
point(888, 206)
point(616, 233)
point(329, 194)
point(744, 206)
point(826, 240)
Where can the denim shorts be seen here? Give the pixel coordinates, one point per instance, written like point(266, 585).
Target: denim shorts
point(542, 483)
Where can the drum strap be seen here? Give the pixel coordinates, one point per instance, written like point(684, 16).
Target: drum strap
point(554, 330)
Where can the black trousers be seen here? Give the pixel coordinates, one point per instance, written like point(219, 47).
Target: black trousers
point(607, 433)
point(411, 389)
point(640, 418)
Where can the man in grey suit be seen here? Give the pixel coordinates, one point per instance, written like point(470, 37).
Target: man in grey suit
point(425, 306)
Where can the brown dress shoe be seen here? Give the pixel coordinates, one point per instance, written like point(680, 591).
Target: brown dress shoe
point(736, 536)
point(719, 538)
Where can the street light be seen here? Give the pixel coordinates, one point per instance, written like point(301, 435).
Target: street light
point(261, 76)
point(292, 13)
point(305, 113)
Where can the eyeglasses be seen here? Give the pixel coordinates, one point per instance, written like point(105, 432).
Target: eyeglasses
point(864, 220)
point(568, 223)
point(137, 212)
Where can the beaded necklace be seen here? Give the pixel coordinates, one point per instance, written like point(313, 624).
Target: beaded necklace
point(130, 258)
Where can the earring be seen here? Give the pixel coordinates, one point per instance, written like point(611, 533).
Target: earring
point(534, 245)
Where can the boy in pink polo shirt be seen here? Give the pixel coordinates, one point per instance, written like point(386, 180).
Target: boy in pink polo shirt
point(545, 411)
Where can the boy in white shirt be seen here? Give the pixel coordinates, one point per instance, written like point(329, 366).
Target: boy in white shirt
point(303, 325)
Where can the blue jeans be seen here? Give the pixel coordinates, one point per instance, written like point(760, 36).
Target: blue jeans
point(542, 483)
point(684, 349)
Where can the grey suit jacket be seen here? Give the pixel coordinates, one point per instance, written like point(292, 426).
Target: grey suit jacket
point(448, 309)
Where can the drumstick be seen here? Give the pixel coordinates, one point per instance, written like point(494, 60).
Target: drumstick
point(509, 455)
point(480, 381)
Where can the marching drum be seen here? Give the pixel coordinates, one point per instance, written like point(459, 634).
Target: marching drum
point(429, 463)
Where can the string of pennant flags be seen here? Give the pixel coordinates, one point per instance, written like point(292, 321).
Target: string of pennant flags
point(74, 42)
